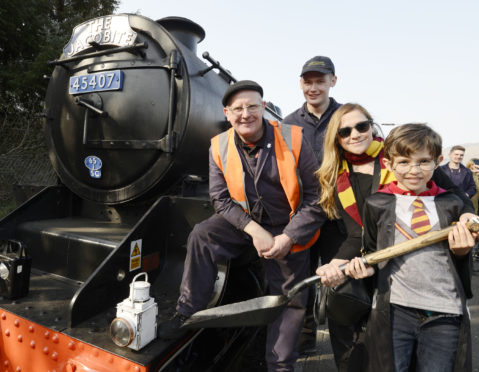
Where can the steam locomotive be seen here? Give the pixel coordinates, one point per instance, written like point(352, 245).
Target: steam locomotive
point(129, 112)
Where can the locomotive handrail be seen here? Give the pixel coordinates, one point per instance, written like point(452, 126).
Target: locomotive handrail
point(129, 48)
point(126, 144)
point(216, 64)
point(167, 143)
point(88, 105)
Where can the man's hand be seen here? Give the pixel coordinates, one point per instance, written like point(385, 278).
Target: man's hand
point(460, 239)
point(330, 274)
point(263, 241)
point(282, 246)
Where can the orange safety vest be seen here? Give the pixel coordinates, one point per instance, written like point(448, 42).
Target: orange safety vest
point(287, 145)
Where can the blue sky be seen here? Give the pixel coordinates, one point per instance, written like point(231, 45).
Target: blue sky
point(405, 61)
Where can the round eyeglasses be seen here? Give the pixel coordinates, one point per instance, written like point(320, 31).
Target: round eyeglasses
point(404, 166)
point(361, 127)
point(250, 109)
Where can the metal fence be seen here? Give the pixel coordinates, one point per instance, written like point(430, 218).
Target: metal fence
point(24, 164)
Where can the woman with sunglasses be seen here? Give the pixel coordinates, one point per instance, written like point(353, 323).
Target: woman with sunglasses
point(352, 169)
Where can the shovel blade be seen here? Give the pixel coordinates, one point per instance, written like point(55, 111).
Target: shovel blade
point(251, 313)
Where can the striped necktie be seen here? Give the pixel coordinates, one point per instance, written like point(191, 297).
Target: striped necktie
point(419, 222)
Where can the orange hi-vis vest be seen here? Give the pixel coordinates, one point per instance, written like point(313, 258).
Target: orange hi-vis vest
point(287, 146)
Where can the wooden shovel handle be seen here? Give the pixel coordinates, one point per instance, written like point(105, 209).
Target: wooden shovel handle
point(414, 244)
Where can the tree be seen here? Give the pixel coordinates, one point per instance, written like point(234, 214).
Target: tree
point(33, 32)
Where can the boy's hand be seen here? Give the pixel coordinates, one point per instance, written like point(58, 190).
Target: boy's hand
point(356, 269)
point(466, 217)
point(460, 240)
point(330, 274)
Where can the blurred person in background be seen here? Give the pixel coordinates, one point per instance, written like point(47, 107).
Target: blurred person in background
point(473, 165)
point(458, 173)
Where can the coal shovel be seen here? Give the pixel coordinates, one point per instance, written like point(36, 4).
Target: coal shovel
point(263, 310)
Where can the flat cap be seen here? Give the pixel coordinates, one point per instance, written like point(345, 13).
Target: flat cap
point(241, 85)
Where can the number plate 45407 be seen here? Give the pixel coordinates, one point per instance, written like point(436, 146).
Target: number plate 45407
point(100, 81)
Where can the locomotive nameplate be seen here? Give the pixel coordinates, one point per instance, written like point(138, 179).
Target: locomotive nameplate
point(97, 82)
point(109, 30)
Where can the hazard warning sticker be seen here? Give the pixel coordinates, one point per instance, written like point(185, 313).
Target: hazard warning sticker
point(135, 254)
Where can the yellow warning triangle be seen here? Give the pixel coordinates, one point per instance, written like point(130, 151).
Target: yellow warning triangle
point(136, 250)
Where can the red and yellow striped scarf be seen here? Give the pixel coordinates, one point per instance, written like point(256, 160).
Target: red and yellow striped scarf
point(343, 185)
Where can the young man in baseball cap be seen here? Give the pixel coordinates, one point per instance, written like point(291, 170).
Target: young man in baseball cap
point(317, 77)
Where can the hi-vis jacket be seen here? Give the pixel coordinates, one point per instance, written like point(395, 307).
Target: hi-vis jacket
point(288, 144)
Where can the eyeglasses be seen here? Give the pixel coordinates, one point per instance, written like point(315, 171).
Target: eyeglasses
point(361, 127)
point(251, 109)
point(404, 167)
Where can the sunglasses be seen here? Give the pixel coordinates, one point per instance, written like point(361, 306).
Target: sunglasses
point(361, 127)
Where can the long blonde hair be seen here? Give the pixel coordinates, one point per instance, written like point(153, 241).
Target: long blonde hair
point(327, 174)
point(470, 164)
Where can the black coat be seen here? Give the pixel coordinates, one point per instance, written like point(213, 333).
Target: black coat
point(379, 218)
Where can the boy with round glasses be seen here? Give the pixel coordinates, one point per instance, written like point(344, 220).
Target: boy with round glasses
point(419, 307)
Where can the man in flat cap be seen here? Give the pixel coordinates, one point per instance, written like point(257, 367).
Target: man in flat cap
point(264, 194)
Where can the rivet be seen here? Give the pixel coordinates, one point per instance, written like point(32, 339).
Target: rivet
point(47, 334)
point(20, 338)
point(110, 359)
point(32, 344)
point(7, 332)
point(55, 355)
point(45, 350)
point(71, 345)
point(55, 339)
point(31, 329)
point(5, 363)
point(137, 369)
point(18, 369)
point(17, 323)
point(4, 316)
